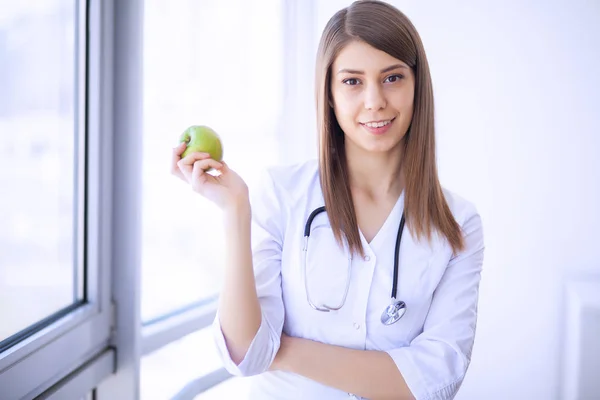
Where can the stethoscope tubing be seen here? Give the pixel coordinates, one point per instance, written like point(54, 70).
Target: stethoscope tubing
point(397, 306)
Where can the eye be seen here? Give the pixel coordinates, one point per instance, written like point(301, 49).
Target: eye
point(350, 81)
point(394, 78)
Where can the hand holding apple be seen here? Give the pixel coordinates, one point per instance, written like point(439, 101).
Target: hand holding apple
point(204, 152)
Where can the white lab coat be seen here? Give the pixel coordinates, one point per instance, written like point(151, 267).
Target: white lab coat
point(431, 344)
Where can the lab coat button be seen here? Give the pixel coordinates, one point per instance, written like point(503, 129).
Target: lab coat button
point(367, 258)
point(356, 326)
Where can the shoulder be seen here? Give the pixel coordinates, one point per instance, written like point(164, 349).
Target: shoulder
point(467, 216)
point(289, 176)
point(281, 193)
point(462, 209)
point(293, 181)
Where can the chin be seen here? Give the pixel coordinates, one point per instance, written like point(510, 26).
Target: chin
point(383, 143)
point(375, 144)
point(377, 148)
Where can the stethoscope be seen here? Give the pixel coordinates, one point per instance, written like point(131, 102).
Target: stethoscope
point(393, 312)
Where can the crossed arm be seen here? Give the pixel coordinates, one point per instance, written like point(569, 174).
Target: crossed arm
point(366, 373)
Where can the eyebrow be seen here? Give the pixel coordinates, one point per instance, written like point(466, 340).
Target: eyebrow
point(386, 69)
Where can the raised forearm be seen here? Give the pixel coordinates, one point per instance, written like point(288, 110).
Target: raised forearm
point(370, 374)
point(239, 309)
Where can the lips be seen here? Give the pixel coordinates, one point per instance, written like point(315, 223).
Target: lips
point(378, 124)
point(378, 121)
point(378, 127)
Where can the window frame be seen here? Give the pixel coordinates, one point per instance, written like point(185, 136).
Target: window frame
point(32, 366)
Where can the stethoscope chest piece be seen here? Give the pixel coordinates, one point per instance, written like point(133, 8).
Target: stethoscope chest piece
point(393, 312)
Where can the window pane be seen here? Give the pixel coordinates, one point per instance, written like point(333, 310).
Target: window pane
point(168, 370)
point(205, 63)
point(39, 269)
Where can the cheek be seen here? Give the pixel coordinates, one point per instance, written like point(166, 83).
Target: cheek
point(408, 100)
point(347, 105)
point(402, 100)
point(407, 109)
point(344, 112)
point(343, 120)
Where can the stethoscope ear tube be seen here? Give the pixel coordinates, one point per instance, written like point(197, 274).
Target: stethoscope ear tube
point(396, 257)
point(310, 220)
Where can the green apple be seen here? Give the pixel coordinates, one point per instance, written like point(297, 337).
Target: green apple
point(200, 138)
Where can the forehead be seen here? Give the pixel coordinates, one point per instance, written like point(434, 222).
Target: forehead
point(362, 56)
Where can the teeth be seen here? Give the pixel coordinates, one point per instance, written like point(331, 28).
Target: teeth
point(377, 124)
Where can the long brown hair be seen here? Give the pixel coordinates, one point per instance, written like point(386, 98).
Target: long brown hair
point(386, 28)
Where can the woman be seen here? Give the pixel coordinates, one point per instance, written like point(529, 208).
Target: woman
point(398, 319)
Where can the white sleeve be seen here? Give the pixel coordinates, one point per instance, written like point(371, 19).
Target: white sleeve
point(435, 363)
point(268, 220)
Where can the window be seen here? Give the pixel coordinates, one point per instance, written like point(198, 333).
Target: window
point(165, 372)
point(205, 63)
point(54, 291)
point(41, 268)
point(71, 233)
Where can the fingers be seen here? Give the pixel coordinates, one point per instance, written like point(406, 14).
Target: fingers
point(199, 176)
point(177, 151)
point(224, 167)
point(204, 165)
point(186, 164)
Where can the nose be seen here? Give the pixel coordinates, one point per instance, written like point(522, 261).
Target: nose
point(374, 98)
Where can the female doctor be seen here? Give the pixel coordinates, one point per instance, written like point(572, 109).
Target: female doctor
point(357, 275)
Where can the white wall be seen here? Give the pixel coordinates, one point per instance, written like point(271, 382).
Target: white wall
point(517, 88)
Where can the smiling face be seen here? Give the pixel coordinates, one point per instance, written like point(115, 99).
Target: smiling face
point(373, 96)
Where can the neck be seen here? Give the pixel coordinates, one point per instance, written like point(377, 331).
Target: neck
point(377, 175)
